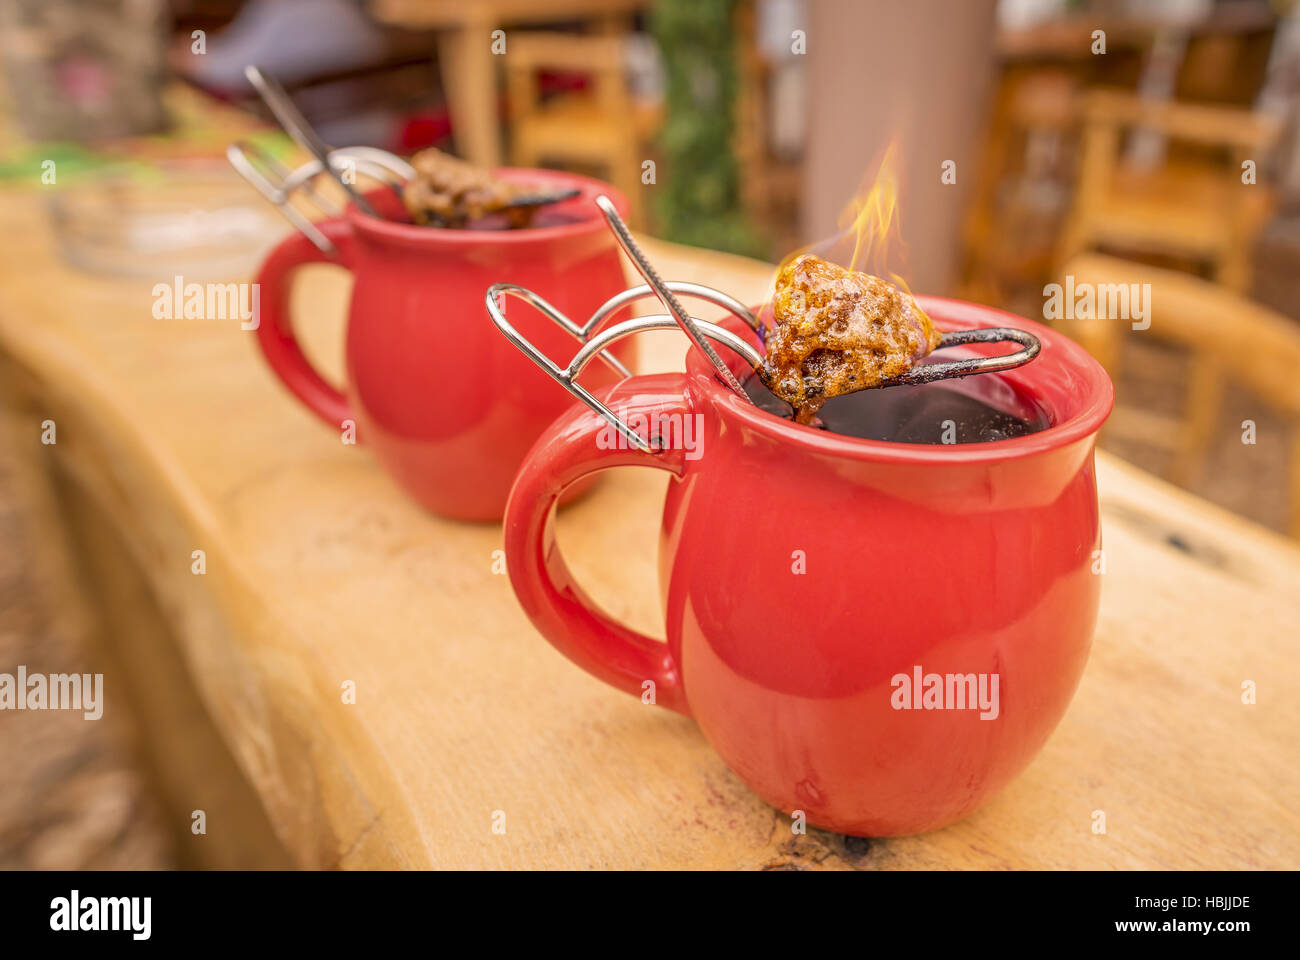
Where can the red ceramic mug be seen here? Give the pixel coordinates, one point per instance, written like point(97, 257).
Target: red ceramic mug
point(446, 404)
point(804, 574)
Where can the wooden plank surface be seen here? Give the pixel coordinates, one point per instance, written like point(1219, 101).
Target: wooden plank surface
point(319, 572)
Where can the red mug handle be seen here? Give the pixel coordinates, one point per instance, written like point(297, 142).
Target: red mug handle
point(275, 330)
point(565, 453)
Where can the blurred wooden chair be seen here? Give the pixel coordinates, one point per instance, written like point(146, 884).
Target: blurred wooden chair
point(1225, 335)
point(601, 125)
point(1192, 205)
point(1020, 197)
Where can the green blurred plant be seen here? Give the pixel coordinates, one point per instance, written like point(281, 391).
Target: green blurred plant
point(698, 193)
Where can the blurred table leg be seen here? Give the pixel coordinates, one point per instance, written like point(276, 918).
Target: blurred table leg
point(469, 81)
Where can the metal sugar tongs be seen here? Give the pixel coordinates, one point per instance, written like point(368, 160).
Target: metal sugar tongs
point(701, 332)
point(278, 184)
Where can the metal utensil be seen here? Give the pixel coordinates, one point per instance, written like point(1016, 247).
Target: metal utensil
point(278, 184)
point(295, 124)
point(647, 270)
point(595, 344)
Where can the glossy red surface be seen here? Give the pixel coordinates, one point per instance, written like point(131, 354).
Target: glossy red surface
point(443, 400)
point(802, 571)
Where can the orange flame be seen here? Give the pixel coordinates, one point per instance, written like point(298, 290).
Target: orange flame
point(869, 225)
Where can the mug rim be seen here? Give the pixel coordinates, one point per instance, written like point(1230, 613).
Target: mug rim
point(414, 234)
point(1084, 421)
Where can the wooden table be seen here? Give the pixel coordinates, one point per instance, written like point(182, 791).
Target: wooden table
point(173, 437)
point(465, 55)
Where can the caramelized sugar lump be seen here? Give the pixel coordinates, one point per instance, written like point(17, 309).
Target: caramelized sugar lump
point(836, 331)
point(450, 192)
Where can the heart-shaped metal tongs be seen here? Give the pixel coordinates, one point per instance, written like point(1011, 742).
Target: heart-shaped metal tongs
point(704, 334)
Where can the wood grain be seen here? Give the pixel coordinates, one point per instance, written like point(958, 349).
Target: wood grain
point(320, 572)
